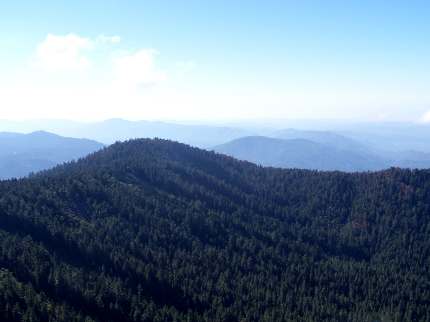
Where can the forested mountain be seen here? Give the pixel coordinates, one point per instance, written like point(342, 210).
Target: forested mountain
point(21, 154)
point(301, 154)
point(152, 230)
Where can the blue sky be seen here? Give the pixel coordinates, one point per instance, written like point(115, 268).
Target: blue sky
point(364, 60)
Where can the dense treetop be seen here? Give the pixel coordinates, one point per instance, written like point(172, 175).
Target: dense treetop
point(153, 230)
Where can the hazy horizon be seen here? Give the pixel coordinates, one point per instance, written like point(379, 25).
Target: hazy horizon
point(47, 124)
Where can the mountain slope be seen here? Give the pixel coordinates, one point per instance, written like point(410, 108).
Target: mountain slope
point(21, 154)
point(299, 153)
point(152, 230)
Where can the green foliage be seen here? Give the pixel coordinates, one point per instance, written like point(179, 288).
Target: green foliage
point(152, 230)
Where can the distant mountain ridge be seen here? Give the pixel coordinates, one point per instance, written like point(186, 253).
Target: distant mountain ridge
point(319, 150)
point(329, 150)
point(299, 153)
point(388, 136)
point(332, 139)
point(21, 154)
point(113, 130)
point(116, 129)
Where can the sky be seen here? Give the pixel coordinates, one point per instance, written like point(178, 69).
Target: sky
point(215, 60)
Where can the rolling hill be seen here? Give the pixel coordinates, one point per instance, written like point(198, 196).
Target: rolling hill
point(153, 230)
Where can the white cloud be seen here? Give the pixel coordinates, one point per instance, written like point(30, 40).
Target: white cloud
point(55, 87)
point(138, 68)
point(63, 53)
point(108, 39)
point(425, 118)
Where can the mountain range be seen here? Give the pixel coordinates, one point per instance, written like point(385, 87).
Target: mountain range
point(381, 136)
point(153, 230)
point(287, 148)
